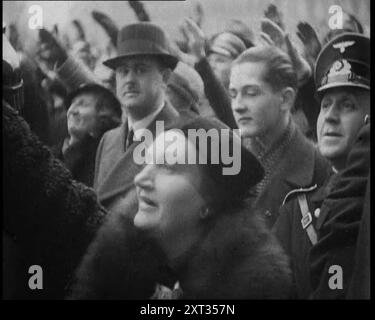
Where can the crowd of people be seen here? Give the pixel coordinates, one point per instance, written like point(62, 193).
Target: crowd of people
point(292, 223)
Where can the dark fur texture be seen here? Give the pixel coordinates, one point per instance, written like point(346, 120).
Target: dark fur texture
point(49, 219)
point(238, 259)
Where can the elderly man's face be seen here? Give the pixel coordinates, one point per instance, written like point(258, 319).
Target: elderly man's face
point(341, 116)
point(140, 84)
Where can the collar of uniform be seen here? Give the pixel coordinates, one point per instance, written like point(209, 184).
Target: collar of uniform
point(139, 126)
point(323, 191)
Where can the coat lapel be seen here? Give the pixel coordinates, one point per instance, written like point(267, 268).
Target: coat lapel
point(121, 177)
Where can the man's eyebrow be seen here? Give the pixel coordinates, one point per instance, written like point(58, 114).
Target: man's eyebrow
point(250, 86)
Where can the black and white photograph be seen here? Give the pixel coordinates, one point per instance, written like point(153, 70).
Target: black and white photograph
point(205, 151)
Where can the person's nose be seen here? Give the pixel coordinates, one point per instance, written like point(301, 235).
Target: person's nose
point(332, 113)
point(238, 105)
point(144, 179)
point(73, 109)
point(130, 77)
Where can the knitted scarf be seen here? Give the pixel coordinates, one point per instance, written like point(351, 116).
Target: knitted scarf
point(270, 157)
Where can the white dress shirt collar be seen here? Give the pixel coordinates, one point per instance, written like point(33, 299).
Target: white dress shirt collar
point(139, 125)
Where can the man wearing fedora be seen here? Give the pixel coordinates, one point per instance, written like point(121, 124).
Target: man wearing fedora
point(142, 69)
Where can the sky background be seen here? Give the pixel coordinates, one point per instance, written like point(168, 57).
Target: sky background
point(169, 14)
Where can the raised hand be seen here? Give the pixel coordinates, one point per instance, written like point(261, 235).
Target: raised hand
point(265, 39)
point(139, 10)
point(50, 50)
point(310, 40)
point(108, 25)
point(274, 15)
point(198, 14)
point(274, 32)
point(182, 56)
point(301, 66)
point(196, 39)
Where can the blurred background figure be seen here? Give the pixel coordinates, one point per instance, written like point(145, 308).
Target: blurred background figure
point(104, 74)
point(185, 89)
point(226, 46)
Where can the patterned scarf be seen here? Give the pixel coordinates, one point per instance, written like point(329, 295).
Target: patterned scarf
point(270, 157)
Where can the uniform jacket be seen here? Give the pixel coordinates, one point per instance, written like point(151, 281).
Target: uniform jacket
point(294, 239)
point(335, 209)
point(360, 283)
point(339, 222)
point(301, 167)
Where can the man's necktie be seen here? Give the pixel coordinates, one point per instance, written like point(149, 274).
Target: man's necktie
point(129, 139)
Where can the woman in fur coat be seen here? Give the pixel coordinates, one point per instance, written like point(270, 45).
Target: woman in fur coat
point(194, 236)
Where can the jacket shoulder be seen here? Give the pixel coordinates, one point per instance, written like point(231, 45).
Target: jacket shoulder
point(113, 133)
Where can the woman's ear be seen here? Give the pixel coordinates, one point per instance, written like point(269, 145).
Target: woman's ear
point(288, 96)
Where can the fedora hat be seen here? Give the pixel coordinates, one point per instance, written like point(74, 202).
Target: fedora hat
point(142, 38)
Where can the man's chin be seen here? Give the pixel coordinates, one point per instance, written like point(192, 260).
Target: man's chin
point(247, 132)
point(332, 152)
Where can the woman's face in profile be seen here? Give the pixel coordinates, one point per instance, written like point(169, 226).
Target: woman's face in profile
point(82, 115)
point(169, 195)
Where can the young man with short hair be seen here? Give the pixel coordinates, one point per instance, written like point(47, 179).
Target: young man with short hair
point(263, 85)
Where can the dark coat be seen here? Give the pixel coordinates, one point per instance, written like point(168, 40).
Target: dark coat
point(115, 168)
point(339, 221)
point(48, 218)
point(79, 159)
point(302, 166)
point(216, 94)
point(294, 239)
point(360, 284)
point(237, 259)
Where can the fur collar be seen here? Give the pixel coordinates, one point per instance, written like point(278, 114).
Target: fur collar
point(237, 259)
